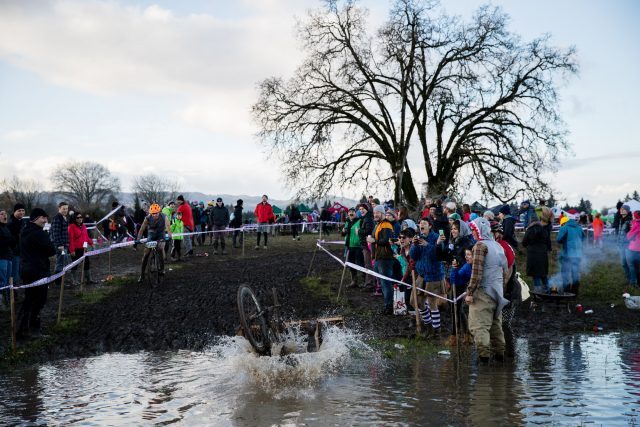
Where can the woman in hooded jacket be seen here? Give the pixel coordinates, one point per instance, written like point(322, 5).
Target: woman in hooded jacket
point(459, 241)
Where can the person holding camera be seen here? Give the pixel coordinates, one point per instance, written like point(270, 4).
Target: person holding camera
point(431, 275)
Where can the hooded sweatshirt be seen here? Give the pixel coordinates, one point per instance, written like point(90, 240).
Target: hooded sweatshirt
point(428, 265)
point(456, 247)
point(633, 236)
point(489, 265)
point(570, 237)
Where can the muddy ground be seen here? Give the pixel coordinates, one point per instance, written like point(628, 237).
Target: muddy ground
point(197, 302)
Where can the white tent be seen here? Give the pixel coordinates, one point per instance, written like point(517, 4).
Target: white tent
point(633, 204)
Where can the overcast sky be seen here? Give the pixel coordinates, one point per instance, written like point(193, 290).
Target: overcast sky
point(166, 87)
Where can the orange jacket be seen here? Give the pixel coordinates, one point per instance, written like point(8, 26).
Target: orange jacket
point(598, 226)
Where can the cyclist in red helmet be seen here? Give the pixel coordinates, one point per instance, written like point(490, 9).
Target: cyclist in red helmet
point(159, 226)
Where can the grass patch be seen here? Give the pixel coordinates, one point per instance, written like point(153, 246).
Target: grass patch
point(98, 294)
point(396, 348)
point(318, 288)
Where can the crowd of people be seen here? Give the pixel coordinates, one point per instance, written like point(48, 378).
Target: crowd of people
point(447, 249)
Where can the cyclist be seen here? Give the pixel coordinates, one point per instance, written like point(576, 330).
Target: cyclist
point(158, 225)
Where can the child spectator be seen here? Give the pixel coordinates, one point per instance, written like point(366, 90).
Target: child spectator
point(177, 228)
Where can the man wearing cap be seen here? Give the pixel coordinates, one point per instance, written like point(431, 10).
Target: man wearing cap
point(60, 236)
point(383, 255)
point(529, 213)
point(187, 219)
point(570, 237)
point(220, 219)
point(16, 223)
point(35, 249)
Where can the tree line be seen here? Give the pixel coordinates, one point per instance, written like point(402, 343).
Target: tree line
point(88, 186)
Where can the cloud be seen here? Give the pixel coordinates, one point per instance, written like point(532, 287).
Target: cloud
point(586, 161)
point(107, 48)
point(19, 135)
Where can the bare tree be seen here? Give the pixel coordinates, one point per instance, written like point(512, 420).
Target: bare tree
point(480, 104)
point(26, 191)
point(87, 184)
point(155, 189)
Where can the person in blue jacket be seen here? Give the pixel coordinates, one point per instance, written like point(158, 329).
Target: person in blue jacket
point(570, 237)
point(459, 277)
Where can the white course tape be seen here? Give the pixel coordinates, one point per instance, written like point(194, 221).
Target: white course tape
point(380, 276)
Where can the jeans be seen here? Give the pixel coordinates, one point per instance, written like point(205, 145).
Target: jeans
point(385, 267)
point(633, 261)
point(188, 246)
point(5, 273)
point(570, 267)
point(541, 283)
point(15, 269)
point(625, 264)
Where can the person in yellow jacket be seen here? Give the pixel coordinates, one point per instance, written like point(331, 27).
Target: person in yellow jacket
point(177, 228)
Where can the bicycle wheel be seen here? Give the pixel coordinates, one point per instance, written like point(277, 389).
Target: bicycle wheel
point(153, 273)
point(276, 323)
point(252, 320)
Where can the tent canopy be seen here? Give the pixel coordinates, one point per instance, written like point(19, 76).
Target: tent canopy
point(276, 210)
point(337, 207)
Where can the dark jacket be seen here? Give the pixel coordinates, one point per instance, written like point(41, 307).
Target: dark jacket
point(366, 228)
point(15, 227)
point(428, 265)
point(454, 250)
point(509, 229)
point(237, 217)
point(220, 215)
point(35, 249)
point(60, 231)
point(537, 241)
point(624, 225)
point(6, 242)
point(294, 215)
point(442, 223)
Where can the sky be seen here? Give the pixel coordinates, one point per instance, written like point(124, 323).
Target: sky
point(166, 87)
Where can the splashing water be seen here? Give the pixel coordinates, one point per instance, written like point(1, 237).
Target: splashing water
point(297, 373)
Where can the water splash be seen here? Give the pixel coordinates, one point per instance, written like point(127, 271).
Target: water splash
point(298, 373)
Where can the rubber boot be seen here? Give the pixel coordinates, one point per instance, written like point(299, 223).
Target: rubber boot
point(575, 288)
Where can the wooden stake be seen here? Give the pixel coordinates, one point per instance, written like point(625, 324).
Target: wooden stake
point(344, 270)
point(13, 314)
point(109, 260)
point(60, 301)
point(414, 295)
point(315, 249)
point(455, 317)
point(243, 239)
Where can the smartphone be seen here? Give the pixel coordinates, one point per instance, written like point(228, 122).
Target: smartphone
point(441, 232)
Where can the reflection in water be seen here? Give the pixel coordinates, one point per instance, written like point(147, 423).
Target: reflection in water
point(571, 380)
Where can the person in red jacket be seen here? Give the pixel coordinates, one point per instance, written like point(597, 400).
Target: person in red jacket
point(264, 215)
point(187, 219)
point(78, 242)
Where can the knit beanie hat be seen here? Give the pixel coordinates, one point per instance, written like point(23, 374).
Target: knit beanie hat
point(455, 216)
point(636, 215)
point(392, 213)
point(379, 208)
point(505, 210)
point(564, 220)
point(626, 208)
point(37, 213)
point(18, 206)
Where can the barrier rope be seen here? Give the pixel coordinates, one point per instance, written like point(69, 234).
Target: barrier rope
point(365, 270)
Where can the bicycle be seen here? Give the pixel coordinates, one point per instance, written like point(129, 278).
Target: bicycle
point(153, 269)
point(262, 327)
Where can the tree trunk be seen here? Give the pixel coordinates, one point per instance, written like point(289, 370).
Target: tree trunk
point(408, 190)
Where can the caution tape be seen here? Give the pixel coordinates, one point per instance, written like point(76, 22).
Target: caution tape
point(381, 276)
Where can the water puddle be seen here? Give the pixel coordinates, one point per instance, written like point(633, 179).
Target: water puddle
point(570, 380)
